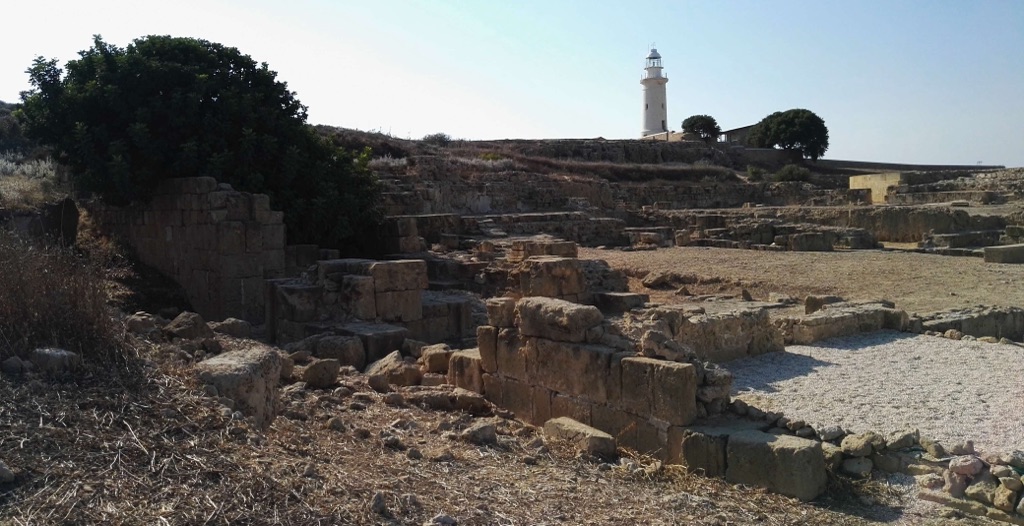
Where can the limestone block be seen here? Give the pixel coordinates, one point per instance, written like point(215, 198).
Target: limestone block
point(50, 360)
point(501, 312)
point(358, 296)
point(347, 350)
point(298, 301)
point(435, 358)
point(617, 302)
point(517, 397)
point(512, 355)
point(190, 326)
point(616, 422)
point(402, 305)
point(248, 377)
point(260, 207)
point(487, 342)
point(573, 369)
point(573, 407)
point(231, 237)
point(1004, 254)
point(584, 437)
point(550, 276)
point(399, 275)
point(493, 389)
point(464, 370)
point(555, 319)
point(378, 339)
point(239, 206)
point(638, 375)
point(541, 403)
point(673, 392)
point(784, 464)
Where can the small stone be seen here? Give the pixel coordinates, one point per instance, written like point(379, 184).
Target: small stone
point(858, 445)
point(1016, 459)
point(12, 366)
point(414, 454)
point(983, 489)
point(301, 356)
point(379, 383)
point(968, 465)
point(54, 361)
point(530, 460)
point(805, 432)
point(361, 433)
point(481, 434)
point(745, 294)
point(394, 399)
point(955, 484)
point(953, 334)
point(379, 503)
point(988, 339)
point(902, 440)
point(794, 425)
point(964, 448)
point(321, 374)
point(335, 423)
point(6, 475)
point(833, 455)
point(1011, 483)
point(393, 442)
point(830, 432)
point(739, 407)
point(1001, 471)
point(930, 481)
point(857, 466)
point(755, 413)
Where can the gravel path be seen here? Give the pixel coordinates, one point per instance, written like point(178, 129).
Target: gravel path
point(886, 381)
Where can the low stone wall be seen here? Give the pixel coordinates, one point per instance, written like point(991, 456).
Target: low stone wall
point(842, 319)
point(340, 291)
point(55, 221)
point(217, 243)
point(997, 322)
point(907, 196)
point(716, 338)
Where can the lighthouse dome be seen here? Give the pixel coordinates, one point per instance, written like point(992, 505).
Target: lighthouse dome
point(653, 54)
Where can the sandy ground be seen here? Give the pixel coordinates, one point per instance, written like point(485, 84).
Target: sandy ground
point(918, 283)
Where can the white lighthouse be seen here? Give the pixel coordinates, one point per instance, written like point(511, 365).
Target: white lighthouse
point(655, 112)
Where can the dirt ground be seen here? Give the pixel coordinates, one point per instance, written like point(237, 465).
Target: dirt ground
point(917, 283)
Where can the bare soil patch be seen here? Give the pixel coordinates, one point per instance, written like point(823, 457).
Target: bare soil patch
point(920, 283)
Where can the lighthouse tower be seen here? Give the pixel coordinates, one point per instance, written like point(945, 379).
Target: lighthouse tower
point(655, 112)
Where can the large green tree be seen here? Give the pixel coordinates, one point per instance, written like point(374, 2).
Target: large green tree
point(705, 126)
point(797, 129)
point(126, 118)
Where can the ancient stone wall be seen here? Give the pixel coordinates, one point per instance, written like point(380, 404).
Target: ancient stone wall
point(217, 243)
point(342, 291)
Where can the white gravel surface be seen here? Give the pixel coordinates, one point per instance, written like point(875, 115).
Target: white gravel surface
point(887, 381)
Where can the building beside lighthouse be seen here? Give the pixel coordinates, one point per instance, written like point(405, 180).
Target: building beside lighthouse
point(655, 101)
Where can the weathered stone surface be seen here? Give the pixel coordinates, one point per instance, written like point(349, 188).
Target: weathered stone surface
point(190, 326)
point(702, 450)
point(556, 319)
point(347, 350)
point(550, 276)
point(464, 370)
point(435, 358)
point(901, 439)
point(658, 344)
point(570, 368)
point(357, 293)
point(13, 366)
point(833, 455)
point(831, 432)
point(395, 369)
point(969, 465)
point(954, 483)
point(399, 305)
point(1004, 254)
point(232, 327)
point(615, 302)
point(378, 339)
point(982, 488)
point(321, 374)
point(248, 377)
point(1004, 499)
point(586, 438)
point(501, 312)
point(481, 434)
point(858, 466)
point(784, 464)
point(140, 323)
point(857, 445)
point(887, 462)
point(487, 343)
point(945, 499)
point(54, 361)
point(1011, 483)
point(403, 274)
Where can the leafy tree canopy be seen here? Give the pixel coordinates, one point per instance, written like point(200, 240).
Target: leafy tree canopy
point(126, 118)
point(11, 136)
point(705, 126)
point(797, 129)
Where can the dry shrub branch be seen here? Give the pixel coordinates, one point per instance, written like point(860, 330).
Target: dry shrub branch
point(54, 297)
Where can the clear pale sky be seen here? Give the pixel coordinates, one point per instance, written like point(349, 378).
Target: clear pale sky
point(927, 81)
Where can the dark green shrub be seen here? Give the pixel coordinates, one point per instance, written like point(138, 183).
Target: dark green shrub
point(792, 173)
point(755, 173)
point(438, 139)
point(126, 118)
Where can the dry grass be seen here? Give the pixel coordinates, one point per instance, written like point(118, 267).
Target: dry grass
point(27, 183)
point(55, 297)
point(150, 449)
